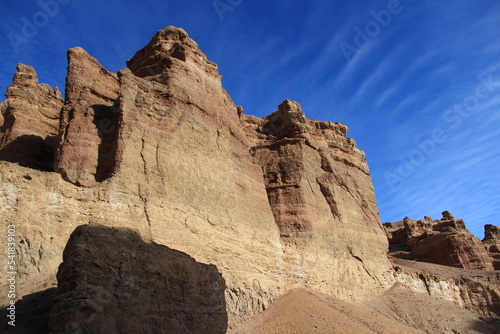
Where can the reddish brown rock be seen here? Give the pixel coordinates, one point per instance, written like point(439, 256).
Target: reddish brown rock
point(89, 122)
point(30, 120)
point(320, 191)
point(492, 243)
point(445, 241)
point(1, 114)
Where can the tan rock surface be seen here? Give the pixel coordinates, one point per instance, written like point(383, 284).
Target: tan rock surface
point(303, 311)
point(399, 310)
point(89, 122)
point(30, 120)
point(429, 314)
point(322, 198)
point(476, 290)
point(445, 241)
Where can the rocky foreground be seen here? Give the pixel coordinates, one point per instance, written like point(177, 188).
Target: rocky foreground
point(159, 206)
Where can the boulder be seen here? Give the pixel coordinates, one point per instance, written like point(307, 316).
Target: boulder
point(112, 281)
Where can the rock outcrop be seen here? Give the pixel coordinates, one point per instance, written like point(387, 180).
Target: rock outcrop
point(30, 121)
point(111, 281)
point(314, 178)
point(445, 241)
point(87, 145)
point(492, 243)
point(275, 203)
point(476, 290)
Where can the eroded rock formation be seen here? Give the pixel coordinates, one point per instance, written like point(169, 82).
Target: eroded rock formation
point(87, 145)
point(259, 206)
point(114, 282)
point(445, 241)
point(30, 121)
point(492, 243)
point(314, 176)
point(275, 203)
point(476, 290)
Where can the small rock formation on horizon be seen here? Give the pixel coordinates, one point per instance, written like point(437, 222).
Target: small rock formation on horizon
point(150, 184)
point(445, 241)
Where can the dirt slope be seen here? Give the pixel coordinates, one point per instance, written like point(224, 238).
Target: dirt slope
point(305, 311)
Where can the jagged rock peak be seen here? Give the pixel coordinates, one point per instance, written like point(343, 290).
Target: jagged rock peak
point(87, 78)
point(447, 216)
point(491, 232)
point(25, 74)
point(289, 121)
point(167, 47)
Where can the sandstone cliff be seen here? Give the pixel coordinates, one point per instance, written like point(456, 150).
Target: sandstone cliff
point(160, 204)
point(274, 203)
point(30, 121)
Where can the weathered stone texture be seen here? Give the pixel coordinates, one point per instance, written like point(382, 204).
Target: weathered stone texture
point(476, 290)
point(444, 241)
point(275, 202)
point(112, 281)
point(86, 150)
point(30, 120)
point(492, 243)
point(322, 198)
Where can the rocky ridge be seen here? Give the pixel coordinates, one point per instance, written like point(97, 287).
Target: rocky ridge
point(445, 241)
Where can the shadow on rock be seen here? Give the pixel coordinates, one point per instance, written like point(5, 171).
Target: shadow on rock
point(31, 151)
point(112, 281)
point(32, 314)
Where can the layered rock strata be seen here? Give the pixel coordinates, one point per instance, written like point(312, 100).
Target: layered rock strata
point(445, 241)
point(30, 121)
point(314, 177)
point(476, 290)
point(274, 203)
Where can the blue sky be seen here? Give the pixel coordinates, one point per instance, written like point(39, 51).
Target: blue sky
point(417, 82)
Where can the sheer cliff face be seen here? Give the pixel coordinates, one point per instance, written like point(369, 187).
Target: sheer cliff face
point(274, 203)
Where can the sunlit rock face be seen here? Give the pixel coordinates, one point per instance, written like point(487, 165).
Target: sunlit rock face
point(274, 203)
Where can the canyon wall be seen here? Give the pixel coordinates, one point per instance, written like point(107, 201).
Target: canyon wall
point(273, 203)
